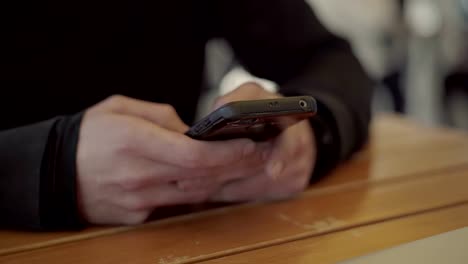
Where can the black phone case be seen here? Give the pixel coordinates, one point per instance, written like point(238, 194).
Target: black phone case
point(255, 119)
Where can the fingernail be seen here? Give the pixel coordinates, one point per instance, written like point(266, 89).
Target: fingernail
point(249, 148)
point(274, 170)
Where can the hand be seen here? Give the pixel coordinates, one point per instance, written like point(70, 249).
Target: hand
point(287, 165)
point(131, 153)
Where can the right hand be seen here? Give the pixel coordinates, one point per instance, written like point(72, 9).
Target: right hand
point(131, 153)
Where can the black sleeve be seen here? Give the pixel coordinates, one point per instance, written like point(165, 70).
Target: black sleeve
point(283, 41)
point(37, 175)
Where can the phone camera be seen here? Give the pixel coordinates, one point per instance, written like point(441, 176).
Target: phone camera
point(303, 104)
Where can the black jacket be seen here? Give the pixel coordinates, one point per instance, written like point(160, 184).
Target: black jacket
point(59, 57)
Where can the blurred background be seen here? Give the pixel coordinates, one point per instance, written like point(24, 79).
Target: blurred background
point(415, 50)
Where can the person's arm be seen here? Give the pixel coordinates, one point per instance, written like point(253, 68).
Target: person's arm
point(37, 175)
point(113, 164)
point(283, 41)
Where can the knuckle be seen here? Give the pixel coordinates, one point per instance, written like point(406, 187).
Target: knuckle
point(135, 218)
point(253, 87)
point(116, 101)
point(296, 189)
point(125, 139)
point(167, 110)
point(298, 186)
point(194, 158)
point(134, 203)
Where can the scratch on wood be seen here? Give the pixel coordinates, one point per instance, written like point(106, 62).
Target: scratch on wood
point(320, 225)
point(356, 233)
point(172, 260)
point(292, 221)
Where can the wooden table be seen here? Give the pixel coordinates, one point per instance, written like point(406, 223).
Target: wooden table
point(411, 182)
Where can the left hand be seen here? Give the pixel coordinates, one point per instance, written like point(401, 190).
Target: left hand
point(287, 164)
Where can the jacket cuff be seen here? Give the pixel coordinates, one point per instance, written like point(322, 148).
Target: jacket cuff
point(327, 141)
point(58, 200)
point(334, 133)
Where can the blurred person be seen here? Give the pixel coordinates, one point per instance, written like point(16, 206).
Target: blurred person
point(436, 49)
point(376, 31)
point(97, 95)
point(456, 81)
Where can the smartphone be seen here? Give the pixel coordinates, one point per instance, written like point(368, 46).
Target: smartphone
point(258, 120)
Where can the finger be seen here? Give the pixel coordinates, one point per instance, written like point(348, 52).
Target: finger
point(118, 215)
point(250, 188)
point(289, 144)
point(160, 195)
point(138, 172)
point(262, 187)
point(244, 168)
point(247, 91)
point(293, 151)
point(221, 175)
point(282, 150)
point(160, 144)
point(163, 115)
point(293, 180)
point(144, 172)
point(199, 183)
